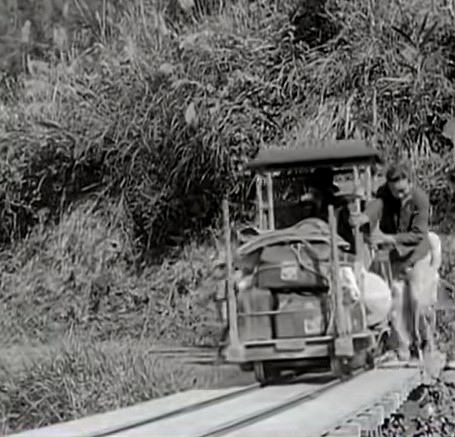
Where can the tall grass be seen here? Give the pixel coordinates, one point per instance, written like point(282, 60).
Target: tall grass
point(78, 320)
point(80, 276)
point(160, 105)
point(72, 379)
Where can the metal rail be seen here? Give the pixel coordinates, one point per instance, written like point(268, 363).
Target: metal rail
point(292, 402)
point(251, 419)
point(177, 412)
point(273, 409)
point(185, 410)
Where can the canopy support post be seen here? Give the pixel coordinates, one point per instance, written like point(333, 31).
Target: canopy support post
point(271, 207)
point(259, 195)
point(231, 297)
point(343, 345)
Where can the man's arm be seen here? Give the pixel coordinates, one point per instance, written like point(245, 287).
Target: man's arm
point(420, 222)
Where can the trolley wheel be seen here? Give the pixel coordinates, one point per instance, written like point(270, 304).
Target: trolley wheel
point(265, 372)
point(340, 367)
point(380, 348)
point(371, 360)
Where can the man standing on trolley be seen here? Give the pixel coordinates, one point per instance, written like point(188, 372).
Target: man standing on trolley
point(399, 218)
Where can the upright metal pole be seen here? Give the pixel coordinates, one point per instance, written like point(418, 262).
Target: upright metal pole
point(340, 324)
point(357, 233)
point(343, 343)
point(359, 250)
point(259, 186)
point(271, 207)
point(368, 183)
point(232, 300)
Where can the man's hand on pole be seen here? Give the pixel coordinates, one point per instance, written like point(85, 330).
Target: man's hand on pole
point(378, 238)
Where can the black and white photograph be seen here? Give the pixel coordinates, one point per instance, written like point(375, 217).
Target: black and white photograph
point(227, 218)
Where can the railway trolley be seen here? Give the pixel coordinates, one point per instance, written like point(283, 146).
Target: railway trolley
point(295, 285)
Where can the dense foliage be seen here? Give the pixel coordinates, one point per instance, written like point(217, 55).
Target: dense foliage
point(160, 104)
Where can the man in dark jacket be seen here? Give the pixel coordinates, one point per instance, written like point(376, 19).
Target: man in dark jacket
point(399, 217)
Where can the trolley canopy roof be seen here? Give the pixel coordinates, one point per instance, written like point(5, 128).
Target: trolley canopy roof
point(335, 153)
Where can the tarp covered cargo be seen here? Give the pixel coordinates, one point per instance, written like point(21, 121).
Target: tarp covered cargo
point(300, 258)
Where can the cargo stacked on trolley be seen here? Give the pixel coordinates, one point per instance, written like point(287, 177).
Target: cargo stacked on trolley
point(295, 288)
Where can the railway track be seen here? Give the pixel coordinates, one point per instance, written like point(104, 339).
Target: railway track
point(190, 355)
point(311, 405)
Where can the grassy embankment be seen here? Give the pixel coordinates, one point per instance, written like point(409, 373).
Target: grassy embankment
point(123, 123)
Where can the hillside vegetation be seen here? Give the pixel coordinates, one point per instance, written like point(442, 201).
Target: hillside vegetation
point(157, 106)
point(123, 124)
